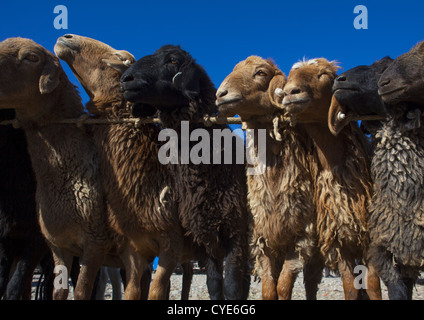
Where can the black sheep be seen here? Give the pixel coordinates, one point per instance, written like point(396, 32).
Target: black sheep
point(212, 198)
point(397, 207)
point(21, 241)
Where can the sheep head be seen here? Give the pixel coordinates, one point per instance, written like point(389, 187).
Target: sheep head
point(167, 80)
point(355, 93)
point(307, 93)
point(252, 90)
point(96, 65)
point(404, 78)
point(29, 75)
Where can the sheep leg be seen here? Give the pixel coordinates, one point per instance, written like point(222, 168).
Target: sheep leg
point(187, 278)
point(348, 278)
point(62, 258)
point(291, 267)
point(161, 280)
point(214, 279)
point(6, 260)
point(234, 276)
point(22, 277)
point(312, 275)
point(388, 271)
point(146, 278)
point(91, 262)
point(115, 280)
point(268, 278)
point(135, 265)
point(46, 287)
point(373, 283)
point(101, 284)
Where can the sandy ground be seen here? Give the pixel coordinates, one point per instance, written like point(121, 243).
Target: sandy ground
point(330, 288)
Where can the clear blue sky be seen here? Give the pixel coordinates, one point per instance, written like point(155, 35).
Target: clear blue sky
point(220, 33)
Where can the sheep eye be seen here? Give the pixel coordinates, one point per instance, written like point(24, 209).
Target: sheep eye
point(320, 75)
point(260, 73)
point(31, 57)
point(173, 60)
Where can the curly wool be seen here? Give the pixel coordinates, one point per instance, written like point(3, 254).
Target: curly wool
point(341, 197)
point(211, 197)
point(281, 202)
point(397, 206)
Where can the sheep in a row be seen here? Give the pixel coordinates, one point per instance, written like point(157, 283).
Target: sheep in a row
point(281, 199)
point(103, 195)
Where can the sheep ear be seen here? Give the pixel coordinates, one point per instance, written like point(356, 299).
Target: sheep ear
point(187, 80)
point(123, 61)
point(49, 78)
point(275, 89)
point(118, 65)
point(124, 55)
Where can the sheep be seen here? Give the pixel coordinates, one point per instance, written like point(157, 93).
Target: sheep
point(395, 225)
point(69, 195)
point(403, 81)
point(342, 183)
point(21, 241)
point(211, 197)
point(137, 194)
point(281, 198)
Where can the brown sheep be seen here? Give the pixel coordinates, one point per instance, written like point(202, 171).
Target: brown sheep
point(342, 183)
point(69, 195)
point(281, 198)
point(136, 184)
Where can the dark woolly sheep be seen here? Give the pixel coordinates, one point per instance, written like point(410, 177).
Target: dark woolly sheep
point(396, 209)
point(401, 88)
point(21, 241)
point(211, 197)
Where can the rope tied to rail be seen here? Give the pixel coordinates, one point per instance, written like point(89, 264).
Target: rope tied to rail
point(207, 120)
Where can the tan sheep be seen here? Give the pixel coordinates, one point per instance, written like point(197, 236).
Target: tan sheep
point(69, 192)
point(341, 173)
point(281, 199)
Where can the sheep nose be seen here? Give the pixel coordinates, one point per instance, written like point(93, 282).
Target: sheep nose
point(341, 78)
point(384, 82)
point(290, 91)
point(221, 93)
point(68, 36)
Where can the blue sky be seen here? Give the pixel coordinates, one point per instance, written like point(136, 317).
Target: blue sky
point(220, 33)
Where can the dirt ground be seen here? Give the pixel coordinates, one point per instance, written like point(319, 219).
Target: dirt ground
point(330, 288)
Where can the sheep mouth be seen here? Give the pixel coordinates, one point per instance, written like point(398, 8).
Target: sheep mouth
point(290, 101)
point(66, 43)
point(228, 102)
point(341, 89)
point(229, 106)
point(391, 94)
point(65, 50)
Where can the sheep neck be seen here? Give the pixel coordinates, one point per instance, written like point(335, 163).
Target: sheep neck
point(273, 147)
point(114, 106)
point(330, 149)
